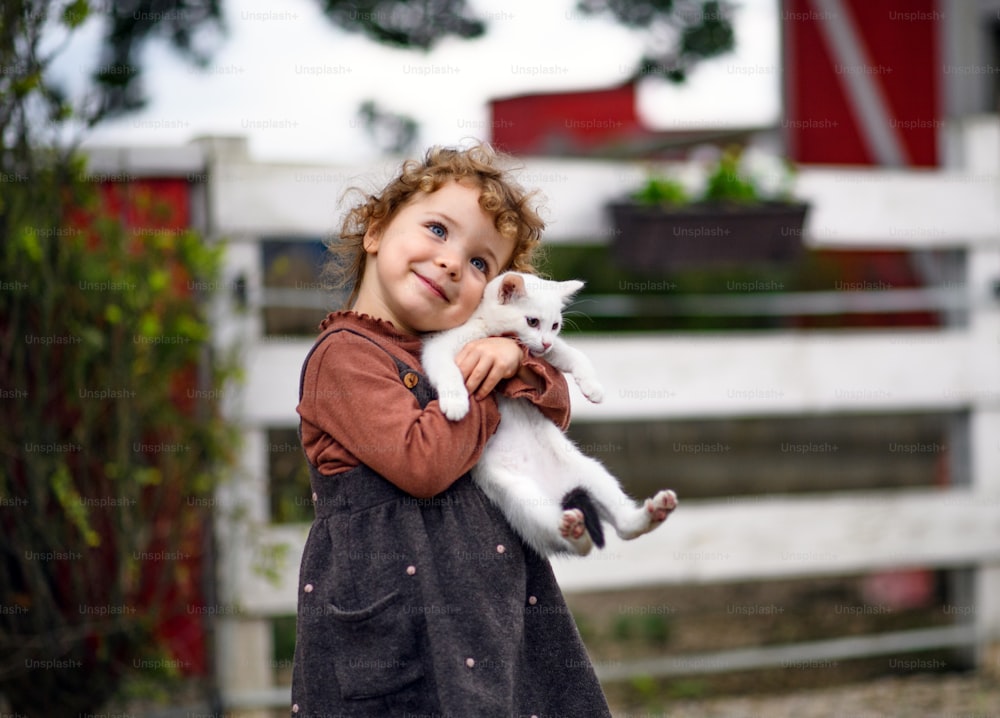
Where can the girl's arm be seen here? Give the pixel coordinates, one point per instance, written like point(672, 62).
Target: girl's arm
point(505, 364)
point(353, 395)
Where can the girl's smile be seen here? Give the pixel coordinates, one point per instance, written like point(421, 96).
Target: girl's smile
point(434, 287)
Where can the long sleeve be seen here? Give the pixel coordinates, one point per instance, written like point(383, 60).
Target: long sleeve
point(553, 399)
point(353, 400)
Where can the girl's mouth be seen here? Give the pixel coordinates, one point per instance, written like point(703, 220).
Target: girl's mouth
point(433, 286)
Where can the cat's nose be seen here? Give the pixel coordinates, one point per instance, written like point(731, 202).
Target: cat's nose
point(546, 345)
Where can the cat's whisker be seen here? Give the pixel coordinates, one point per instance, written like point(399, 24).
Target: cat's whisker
point(569, 315)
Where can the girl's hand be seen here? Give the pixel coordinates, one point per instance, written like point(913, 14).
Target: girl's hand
point(486, 362)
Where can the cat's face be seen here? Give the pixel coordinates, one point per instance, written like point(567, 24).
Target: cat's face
point(530, 307)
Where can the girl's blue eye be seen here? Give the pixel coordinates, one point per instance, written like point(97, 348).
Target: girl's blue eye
point(437, 229)
point(480, 264)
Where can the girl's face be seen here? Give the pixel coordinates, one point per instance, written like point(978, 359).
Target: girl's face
point(427, 268)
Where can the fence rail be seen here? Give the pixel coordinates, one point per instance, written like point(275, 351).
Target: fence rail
point(732, 304)
point(776, 304)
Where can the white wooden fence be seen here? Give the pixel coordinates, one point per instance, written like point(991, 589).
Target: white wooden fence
point(673, 376)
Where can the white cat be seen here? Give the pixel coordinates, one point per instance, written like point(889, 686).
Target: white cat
point(553, 495)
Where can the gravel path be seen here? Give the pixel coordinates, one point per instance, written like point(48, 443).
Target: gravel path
point(919, 696)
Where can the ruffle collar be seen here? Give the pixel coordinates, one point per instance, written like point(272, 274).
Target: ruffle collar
point(375, 325)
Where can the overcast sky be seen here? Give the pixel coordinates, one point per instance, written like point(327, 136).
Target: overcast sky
point(291, 82)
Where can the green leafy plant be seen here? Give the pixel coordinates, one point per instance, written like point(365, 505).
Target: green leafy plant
point(112, 443)
point(727, 184)
point(661, 191)
point(735, 178)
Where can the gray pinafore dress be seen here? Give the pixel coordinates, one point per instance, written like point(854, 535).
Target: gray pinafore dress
point(429, 607)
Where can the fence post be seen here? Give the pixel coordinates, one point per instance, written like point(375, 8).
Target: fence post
point(984, 431)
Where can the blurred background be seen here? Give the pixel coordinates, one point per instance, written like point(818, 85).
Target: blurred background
point(787, 213)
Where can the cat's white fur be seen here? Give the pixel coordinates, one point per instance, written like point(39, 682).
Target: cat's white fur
point(529, 465)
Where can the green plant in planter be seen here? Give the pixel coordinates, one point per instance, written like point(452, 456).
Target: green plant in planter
point(727, 184)
point(660, 190)
point(738, 177)
point(742, 213)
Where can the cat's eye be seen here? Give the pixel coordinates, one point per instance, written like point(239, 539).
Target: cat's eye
point(555, 327)
point(532, 322)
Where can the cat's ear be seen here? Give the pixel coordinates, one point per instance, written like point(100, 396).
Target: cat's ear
point(511, 287)
point(569, 288)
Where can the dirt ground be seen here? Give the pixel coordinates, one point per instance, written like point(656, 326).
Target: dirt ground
point(619, 627)
point(917, 696)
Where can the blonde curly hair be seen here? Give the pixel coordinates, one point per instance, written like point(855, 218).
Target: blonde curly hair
point(480, 165)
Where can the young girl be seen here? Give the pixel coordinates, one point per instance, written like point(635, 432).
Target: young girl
point(415, 595)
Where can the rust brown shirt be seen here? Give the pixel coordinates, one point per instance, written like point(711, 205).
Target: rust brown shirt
point(356, 410)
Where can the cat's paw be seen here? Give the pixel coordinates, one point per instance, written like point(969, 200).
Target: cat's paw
point(661, 506)
point(591, 389)
point(454, 404)
point(572, 528)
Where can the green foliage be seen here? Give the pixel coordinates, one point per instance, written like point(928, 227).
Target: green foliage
point(283, 639)
point(728, 181)
point(679, 33)
point(75, 13)
point(727, 184)
point(406, 23)
point(393, 132)
point(650, 298)
point(660, 190)
point(587, 630)
point(111, 428)
point(688, 689)
point(646, 692)
point(653, 629)
point(190, 27)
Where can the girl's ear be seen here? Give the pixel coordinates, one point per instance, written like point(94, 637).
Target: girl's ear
point(372, 238)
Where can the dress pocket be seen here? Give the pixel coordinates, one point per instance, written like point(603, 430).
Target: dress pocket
point(377, 649)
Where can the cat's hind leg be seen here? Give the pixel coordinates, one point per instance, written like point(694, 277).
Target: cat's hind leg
point(618, 508)
point(631, 521)
point(657, 510)
point(580, 500)
point(540, 520)
point(573, 528)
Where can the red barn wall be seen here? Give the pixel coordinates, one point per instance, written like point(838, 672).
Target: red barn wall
point(901, 62)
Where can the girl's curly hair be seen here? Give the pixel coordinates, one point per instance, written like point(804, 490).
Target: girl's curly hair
point(480, 165)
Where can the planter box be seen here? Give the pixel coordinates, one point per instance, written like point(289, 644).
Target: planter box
point(660, 239)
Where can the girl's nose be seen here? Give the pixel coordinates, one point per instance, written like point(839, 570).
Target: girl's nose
point(450, 263)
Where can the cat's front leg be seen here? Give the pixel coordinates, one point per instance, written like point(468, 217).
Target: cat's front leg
point(574, 362)
point(454, 401)
point(591, 388)
point(446, 377)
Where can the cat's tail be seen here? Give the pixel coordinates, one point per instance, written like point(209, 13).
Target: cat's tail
point(580, 499)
